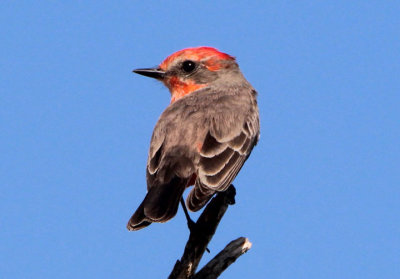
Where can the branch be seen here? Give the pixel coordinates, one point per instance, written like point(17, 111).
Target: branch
point(199, 238)
point(224, 259)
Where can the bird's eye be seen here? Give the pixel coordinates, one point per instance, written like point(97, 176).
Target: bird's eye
point(188, 66)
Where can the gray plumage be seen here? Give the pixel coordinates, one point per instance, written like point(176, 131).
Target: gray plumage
point(205, 136)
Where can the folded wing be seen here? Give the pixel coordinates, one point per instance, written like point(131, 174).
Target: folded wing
point(222, 155)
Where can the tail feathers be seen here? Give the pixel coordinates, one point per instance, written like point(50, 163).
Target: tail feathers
point(198, 197)
point(160, 204)
point(138, 220)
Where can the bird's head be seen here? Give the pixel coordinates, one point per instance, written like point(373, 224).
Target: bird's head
point(190, 69)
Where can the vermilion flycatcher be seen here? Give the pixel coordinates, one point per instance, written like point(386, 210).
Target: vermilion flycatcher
point(202, 138)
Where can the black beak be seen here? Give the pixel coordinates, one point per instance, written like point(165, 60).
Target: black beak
point(156, 73)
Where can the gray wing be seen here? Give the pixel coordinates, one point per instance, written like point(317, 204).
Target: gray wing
point(169, 169)
point(226, 147)
point(170, 151)
point(155, 154)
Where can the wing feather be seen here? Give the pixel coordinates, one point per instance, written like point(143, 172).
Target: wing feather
point(218, 171)
point(214, 165)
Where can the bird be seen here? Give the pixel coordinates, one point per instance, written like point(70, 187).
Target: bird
point(202, 138)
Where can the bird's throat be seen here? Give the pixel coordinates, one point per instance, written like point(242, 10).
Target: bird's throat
point(180, 88)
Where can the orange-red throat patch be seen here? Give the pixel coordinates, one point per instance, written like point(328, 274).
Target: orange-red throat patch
point(180, 88)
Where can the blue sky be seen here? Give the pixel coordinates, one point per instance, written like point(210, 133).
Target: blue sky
point(319, 196)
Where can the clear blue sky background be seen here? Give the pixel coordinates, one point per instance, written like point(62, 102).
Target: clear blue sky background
point(318, 198)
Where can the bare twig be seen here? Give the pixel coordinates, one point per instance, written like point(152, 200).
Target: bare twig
point(199, 238)
point(225, 258)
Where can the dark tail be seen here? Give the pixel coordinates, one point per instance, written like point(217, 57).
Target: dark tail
point(160, 204)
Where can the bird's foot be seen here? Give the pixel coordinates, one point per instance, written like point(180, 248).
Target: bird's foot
point(192, 226)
